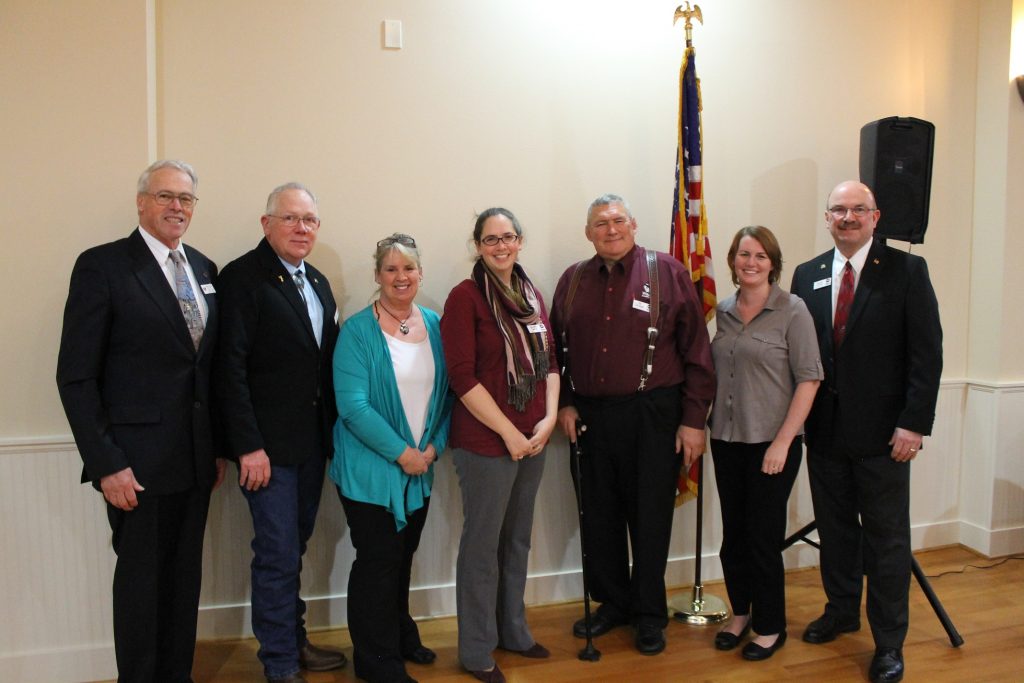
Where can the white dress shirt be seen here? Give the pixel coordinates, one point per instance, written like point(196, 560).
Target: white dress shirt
point(162, 254)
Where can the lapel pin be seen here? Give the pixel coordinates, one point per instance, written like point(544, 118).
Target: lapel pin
point(316, 281)
point(876, 262)
point(281, 278)
point(822, 266)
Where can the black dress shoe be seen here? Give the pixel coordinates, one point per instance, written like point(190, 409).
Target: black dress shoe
point(313, 658)
point(650, 639)
point(886, 666)
point(825, 628)
point(755, 653)
point(727, 641)
point(599, 625)
point(421, 655)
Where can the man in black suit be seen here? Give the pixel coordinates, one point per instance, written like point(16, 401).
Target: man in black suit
point(276, 397)
point(133, 373)
point(878, 327)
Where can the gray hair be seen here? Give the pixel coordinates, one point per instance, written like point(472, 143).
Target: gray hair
point(276, 192)
point(605, 200)
point(143, 185)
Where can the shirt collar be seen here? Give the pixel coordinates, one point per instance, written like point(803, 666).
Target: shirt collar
point(161, 252)
point(776, 299)
point(626, 262)
point(301, 268)
point(856, 261)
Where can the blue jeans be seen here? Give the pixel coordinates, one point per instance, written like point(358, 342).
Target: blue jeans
point(283, 514)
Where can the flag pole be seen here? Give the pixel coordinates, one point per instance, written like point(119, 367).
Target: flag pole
point(700, 608)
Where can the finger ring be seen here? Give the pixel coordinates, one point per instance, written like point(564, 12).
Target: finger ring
point(913, 450)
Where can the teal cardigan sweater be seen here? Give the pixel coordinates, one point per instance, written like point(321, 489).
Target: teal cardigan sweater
point(372, 430)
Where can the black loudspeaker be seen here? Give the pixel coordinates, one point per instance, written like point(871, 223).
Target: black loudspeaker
point(896, 163)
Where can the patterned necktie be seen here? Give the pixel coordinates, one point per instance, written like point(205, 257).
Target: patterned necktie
point(300, 282)
point(187, 299)
point(843, 306)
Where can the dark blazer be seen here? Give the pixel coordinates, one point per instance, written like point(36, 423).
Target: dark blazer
point(135, 390)
point(274, 385)
point(890, 361)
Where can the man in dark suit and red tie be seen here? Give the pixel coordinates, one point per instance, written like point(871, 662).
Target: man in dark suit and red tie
point(275, 394)
point(133, 372)
point(877, 321)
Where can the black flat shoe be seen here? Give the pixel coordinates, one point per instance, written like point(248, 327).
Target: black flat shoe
point(755, 653)
point(421, 655)
point(535, 651)
point(728, 641)
point(492, 676)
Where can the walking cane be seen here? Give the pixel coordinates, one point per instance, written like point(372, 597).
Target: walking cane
point(588, 653)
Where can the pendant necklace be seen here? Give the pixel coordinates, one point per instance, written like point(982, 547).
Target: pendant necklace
point(403, 327)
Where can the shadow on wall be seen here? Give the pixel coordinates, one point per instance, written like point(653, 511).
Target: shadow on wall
point(785, 200)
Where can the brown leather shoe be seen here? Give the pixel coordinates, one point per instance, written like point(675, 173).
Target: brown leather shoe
point(313, 658)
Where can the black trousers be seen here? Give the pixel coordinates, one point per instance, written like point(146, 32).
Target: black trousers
point(862, 507)
point(754, 507)
point(378, 589)
point(159, 547)
point(629, 469)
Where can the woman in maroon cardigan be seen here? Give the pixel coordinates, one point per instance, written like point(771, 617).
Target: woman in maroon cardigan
point(501, 363)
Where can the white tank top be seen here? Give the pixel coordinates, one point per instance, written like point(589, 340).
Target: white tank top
point(414, 372)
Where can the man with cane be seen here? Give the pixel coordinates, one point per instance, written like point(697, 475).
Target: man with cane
point(637, 357)
point(588, 653)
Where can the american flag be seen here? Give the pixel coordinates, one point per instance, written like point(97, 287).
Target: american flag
point(689, 235)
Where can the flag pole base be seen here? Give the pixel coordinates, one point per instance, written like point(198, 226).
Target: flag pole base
point(700, 608)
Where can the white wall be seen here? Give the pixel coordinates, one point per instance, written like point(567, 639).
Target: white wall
point(533, 105)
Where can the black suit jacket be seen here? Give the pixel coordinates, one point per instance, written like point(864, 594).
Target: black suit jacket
point(886, 372)
point(135, 390)
point(274, 385)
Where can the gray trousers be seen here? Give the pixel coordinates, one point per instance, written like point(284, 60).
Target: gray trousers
point(490, 577)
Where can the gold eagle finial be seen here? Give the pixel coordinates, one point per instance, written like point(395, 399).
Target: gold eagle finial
point(687, 14)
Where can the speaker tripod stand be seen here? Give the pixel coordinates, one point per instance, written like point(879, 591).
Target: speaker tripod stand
point(955, 639)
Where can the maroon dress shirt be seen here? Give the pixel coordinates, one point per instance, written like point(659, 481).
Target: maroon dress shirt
point(607, 333)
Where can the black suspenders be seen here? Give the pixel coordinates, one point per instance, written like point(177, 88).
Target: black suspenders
point(652, 330)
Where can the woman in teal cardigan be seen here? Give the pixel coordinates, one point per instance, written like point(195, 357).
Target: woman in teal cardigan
point(393, 401)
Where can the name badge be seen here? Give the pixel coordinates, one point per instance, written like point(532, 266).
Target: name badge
point(208, 289)
point(641, 306)
point(823, 283)
point(536, 327)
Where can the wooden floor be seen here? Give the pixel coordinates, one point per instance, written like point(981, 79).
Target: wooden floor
point(987, 607)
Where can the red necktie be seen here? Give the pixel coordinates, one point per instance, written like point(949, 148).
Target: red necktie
point(843, 306)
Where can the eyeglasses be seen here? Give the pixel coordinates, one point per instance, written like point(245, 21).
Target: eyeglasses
point(492, 240)
point(291, 221)
point(397, 238)
point(839, 212)
point(186, 200)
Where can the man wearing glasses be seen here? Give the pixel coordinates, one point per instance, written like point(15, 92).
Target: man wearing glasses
point(276, 398)
point(644, 413)
point(878, 327)
point(133, 372)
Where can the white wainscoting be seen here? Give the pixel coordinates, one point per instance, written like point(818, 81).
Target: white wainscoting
point(57, 565)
